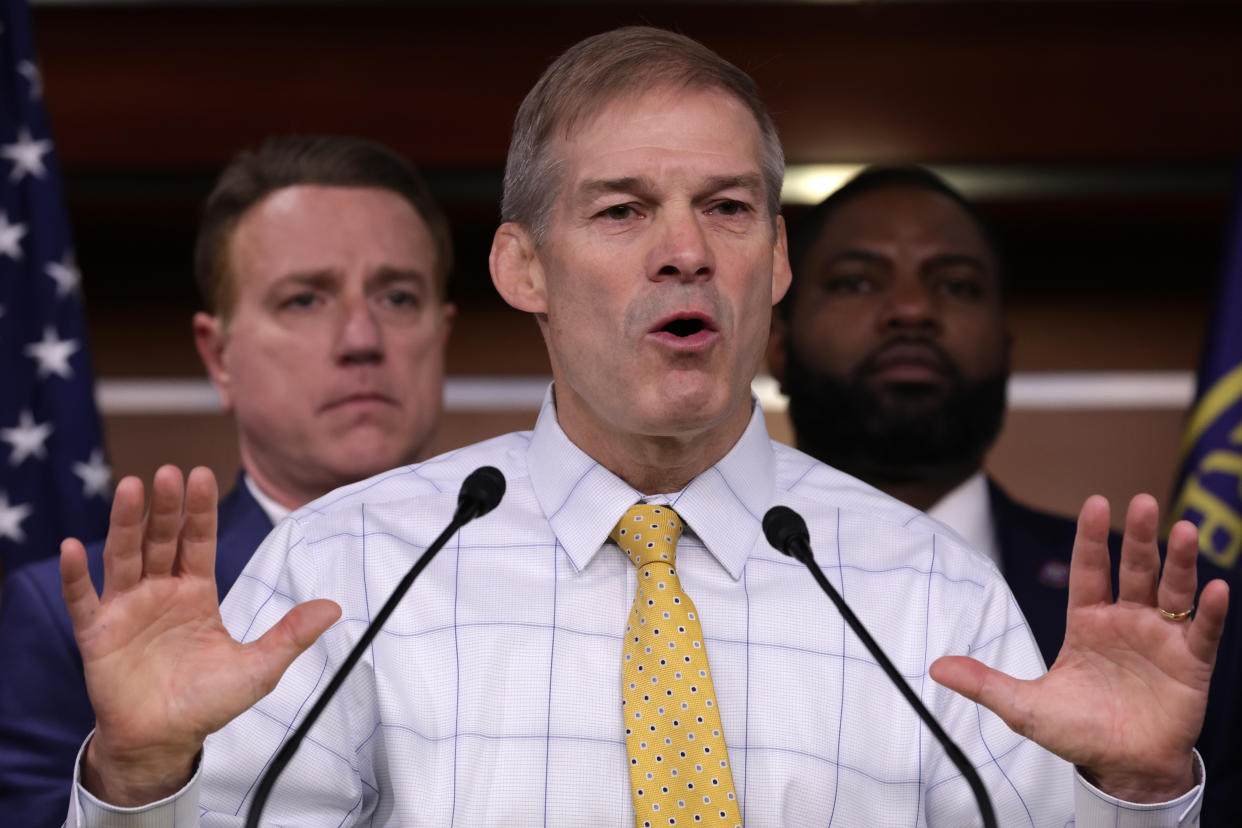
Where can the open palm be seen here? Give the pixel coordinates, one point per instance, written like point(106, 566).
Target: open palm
point(161, 670)
point(1126, 696)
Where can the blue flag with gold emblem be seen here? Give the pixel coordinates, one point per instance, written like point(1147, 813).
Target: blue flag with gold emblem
point(54, 480)
point(1209, 487)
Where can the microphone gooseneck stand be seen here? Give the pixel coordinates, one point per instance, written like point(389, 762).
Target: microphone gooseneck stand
point(786, 531)
point(480, 492)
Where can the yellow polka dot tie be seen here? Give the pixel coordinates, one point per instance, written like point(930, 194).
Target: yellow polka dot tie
point(679, 767)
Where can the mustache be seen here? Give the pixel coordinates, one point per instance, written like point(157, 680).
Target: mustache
point(845, 423)
point(907, 348)
point(651, 307)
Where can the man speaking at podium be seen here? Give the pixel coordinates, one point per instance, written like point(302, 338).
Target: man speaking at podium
point(617, 644)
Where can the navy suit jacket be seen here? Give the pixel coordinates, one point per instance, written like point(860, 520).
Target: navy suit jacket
point(1035, 550)
point(44, 710)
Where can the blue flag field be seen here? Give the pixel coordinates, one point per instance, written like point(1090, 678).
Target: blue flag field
point(54, 480)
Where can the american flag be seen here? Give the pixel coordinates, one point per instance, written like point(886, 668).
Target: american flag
point(54, 480)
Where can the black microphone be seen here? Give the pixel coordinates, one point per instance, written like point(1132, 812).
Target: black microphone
point(786, 530)
point(480, 492)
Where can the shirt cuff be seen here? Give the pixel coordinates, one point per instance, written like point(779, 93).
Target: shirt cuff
point(88, 811)
point(1094, 807)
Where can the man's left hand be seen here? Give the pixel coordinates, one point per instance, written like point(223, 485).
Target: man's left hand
point(1124, 700)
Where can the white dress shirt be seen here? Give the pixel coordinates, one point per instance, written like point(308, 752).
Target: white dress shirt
point(967, 510)
point(274, 511)
point(493, 695)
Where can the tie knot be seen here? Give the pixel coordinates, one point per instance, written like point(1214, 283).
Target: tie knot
point(648, 533)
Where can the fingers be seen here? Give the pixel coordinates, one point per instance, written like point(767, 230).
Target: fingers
point(1209, 621)
point(75, 583)
point(159, 548)
point(198, 535)
point(179, 530)
point(1179, 579)
point(272, 654)
point(123, 547)
point(983, 685)
point(1090, 576)
point(1140, 556)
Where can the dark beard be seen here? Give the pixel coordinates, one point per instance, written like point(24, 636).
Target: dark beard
point(909, 433)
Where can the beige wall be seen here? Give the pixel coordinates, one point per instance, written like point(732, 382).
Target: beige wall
point(1052, 459)
point(1049, 458)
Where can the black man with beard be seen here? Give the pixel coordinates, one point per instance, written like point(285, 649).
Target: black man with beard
point(893, 349)
point(892, 346)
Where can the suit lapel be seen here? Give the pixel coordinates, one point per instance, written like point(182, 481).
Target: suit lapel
point(242, 527)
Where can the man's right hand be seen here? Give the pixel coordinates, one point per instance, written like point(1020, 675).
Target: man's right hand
point(161, 669)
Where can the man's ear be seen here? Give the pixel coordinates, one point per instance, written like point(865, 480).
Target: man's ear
point(777, 340)
point(210, 339)
point(516, 269)
point(781, 273)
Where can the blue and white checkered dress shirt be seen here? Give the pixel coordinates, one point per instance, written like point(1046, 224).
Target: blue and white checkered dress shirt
point(493, 695)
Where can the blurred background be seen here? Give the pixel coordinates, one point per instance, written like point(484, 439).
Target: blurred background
point(1100, 138)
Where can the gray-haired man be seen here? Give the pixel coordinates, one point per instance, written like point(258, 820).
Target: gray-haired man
point(504, 691)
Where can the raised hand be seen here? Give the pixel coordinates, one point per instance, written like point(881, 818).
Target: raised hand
point(1125, 698)
point(161, 669)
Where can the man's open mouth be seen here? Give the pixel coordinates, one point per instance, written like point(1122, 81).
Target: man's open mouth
point(683, 327)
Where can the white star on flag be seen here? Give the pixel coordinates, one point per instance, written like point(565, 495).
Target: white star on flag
point(34, 77)
point(66, 275)
point(11, 518)
point(26, 155)
point(53, 354)
point(11, 237)
point(96, 475)
point(27, 438)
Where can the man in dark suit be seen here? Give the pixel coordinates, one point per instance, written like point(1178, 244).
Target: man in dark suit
point(893, 350)
point(323, 262)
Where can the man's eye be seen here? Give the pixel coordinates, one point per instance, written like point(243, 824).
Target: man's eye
point(402, 299)
point(961, 288)
point(300, 301)
point(729, 207)
point(618, 212)
point(849, 285)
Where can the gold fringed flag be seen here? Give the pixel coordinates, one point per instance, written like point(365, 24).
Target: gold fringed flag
point(1209, 487)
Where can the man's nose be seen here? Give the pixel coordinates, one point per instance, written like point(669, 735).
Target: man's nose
point(359, 337)
point(683, 250)
point(910, 305)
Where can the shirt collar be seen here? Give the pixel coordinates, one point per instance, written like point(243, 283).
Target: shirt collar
point(583, 501)
point(967, 511)
point(274, 511)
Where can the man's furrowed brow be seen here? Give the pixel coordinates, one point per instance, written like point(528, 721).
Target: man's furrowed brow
point(958, 260)
point(855, 255)
point(309, 278)
point(745, 181)
point(631, 184)
point(387, 275)
point(644, 187)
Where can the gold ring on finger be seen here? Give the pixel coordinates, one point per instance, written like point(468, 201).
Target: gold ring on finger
point(1176, 616)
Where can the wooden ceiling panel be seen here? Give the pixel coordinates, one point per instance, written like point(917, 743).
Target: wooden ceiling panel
point(144, 86)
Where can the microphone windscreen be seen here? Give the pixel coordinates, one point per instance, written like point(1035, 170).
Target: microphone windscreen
point(782, 526)
point(483, 487)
